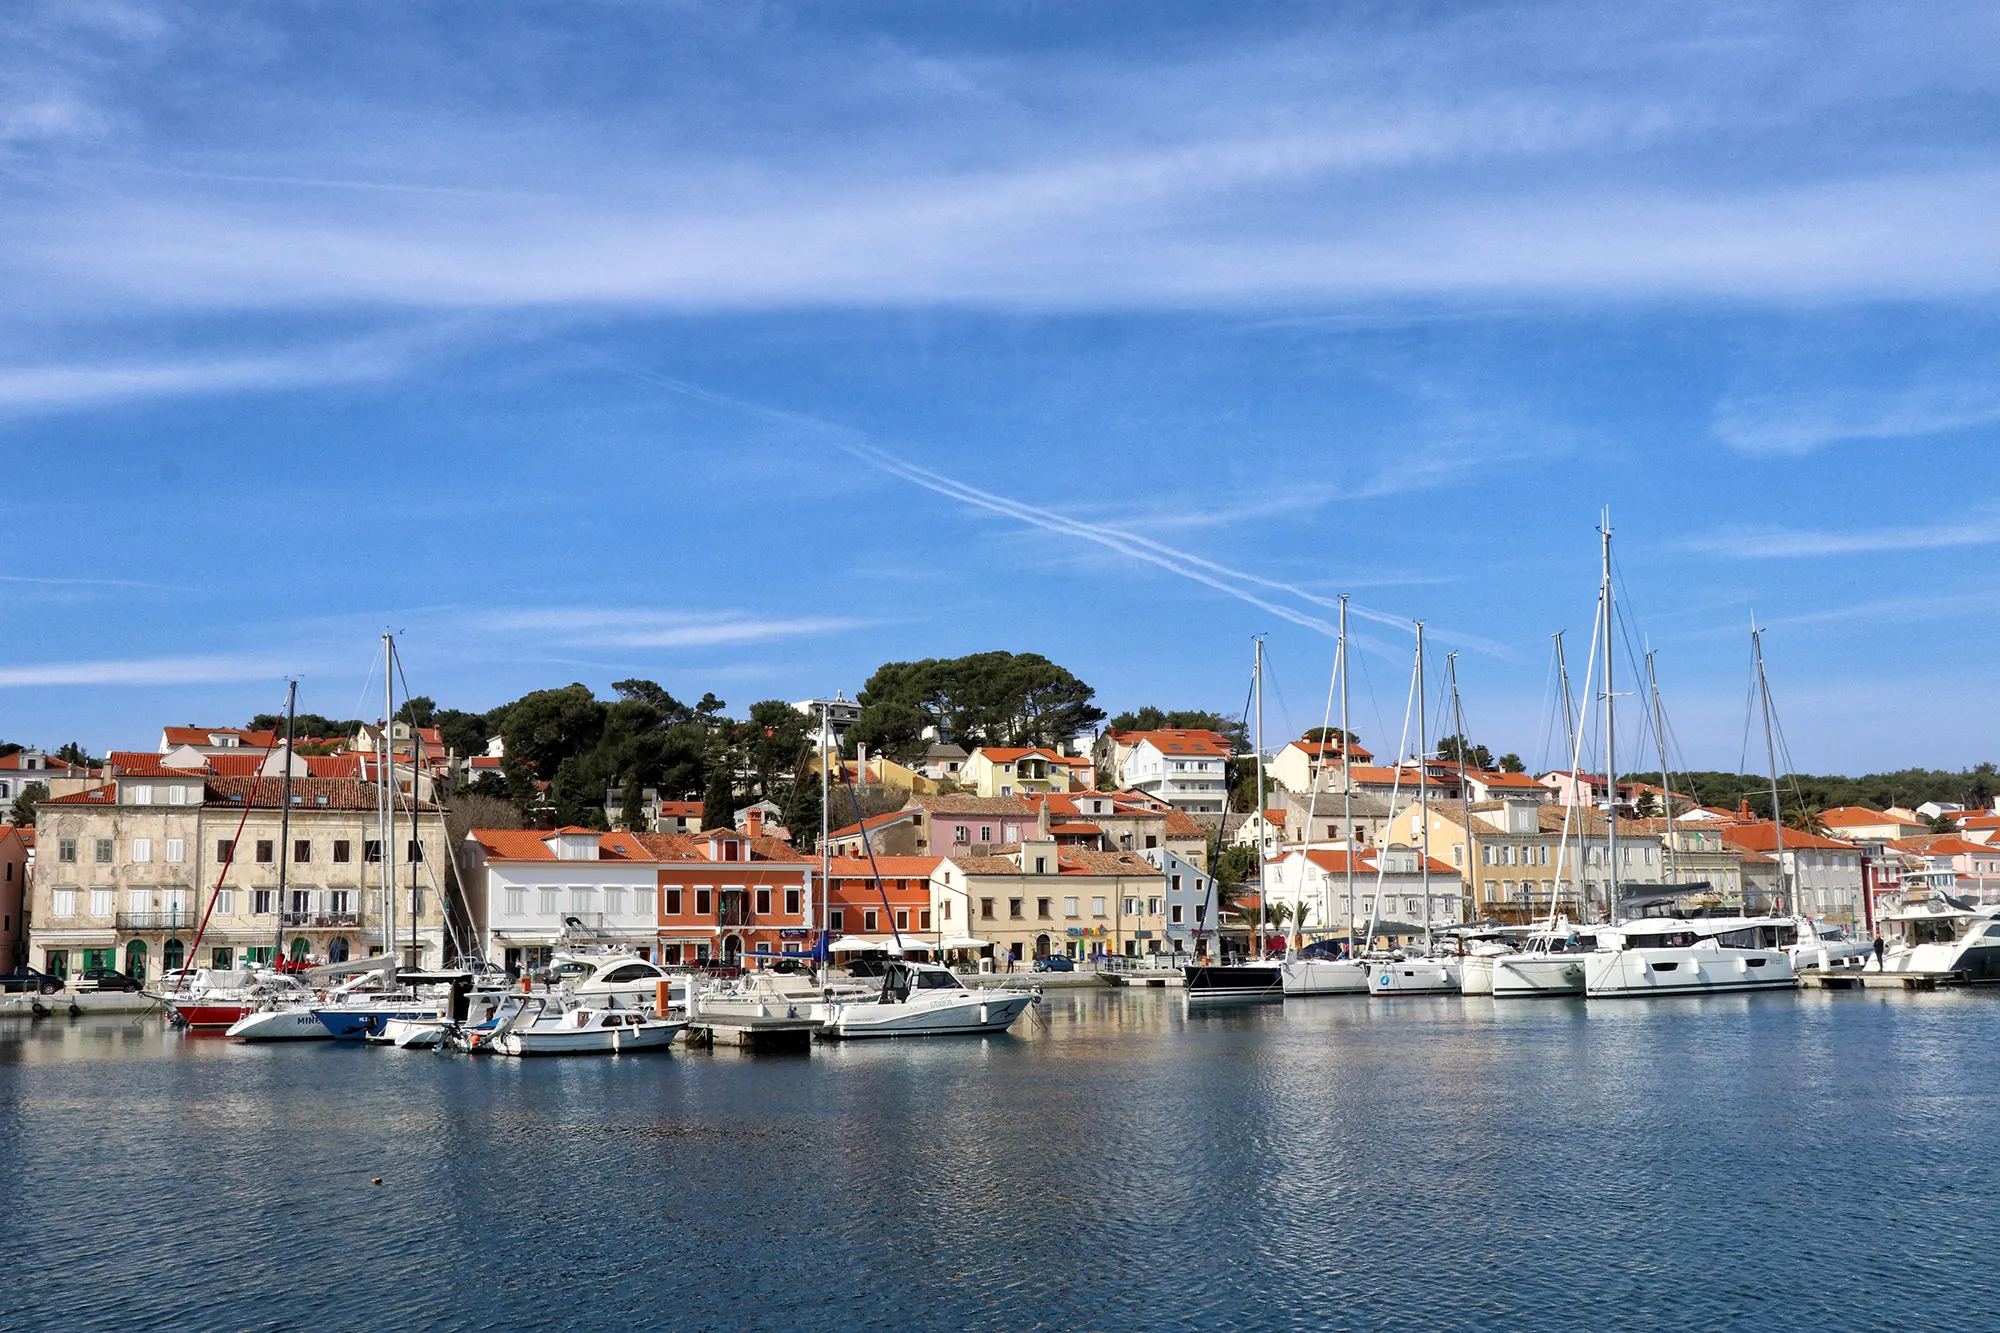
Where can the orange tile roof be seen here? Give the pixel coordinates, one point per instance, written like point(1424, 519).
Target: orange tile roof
point(890, 867)
point(105, 795)
point(1761, 838)
point(1175, 740)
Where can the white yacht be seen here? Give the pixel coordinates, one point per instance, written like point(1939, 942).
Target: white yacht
point(1821, 946)
point(531, 1029)
point(923, 1000)
point(1414, 976)
point(1323, 976)
point(1688, 956)
point(618, 978)
point(1941, 938)
point(1551, 964)
point(287, 1021)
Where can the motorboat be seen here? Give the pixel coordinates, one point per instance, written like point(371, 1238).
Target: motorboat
point(1323, 976)
point(364, 1005)
point(1479, 948)
point(532, 1030)
point(1421, 975)
point(1689, 956)
point(924, 1000)
point(1548, 964)
point(617, 977)
point(1233, 982)
point(410, 1034)
point(1943, 938)
point(1822, 946)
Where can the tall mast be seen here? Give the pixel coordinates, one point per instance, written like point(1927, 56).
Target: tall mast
point(387, 772)
point(1569, 748)
point(1423, 784)
point(1263, 906)
point(1610, 736)
point(1666, 787)
point(825, 792)
point(1464, 787)
point(284, 819)
point(1771, 755)
point(1346, 772)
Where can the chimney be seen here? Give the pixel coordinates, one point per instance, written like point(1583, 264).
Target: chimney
point(861, 762)
point(1042, 822)
point(756, 829)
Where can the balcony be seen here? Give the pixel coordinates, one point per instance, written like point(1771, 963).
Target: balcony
point(142, 921)
point(320, 920)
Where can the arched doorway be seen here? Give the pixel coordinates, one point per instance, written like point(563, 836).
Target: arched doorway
point(732, 950)
point(135, 960)
point(1041, 946)
point(336, 949)
point(299, 949)
point(172, 955)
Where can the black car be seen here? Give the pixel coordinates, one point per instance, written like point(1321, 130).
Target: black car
point(104, 978)
point(25, 979)
point(1055, 962)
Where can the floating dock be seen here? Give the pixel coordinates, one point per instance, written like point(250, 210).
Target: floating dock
point(758, 1033)
point(1881, 980)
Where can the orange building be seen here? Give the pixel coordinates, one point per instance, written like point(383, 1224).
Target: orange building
point(731, 897)
point(901, 906)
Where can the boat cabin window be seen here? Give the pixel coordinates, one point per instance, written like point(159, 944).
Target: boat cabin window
point(936, 981)
point(1676, 939)
point(634, 972)
point(1937, 931)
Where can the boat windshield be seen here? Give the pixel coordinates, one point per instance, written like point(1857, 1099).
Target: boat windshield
point(937, 981)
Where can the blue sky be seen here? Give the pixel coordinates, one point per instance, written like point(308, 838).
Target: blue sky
point(747, 346)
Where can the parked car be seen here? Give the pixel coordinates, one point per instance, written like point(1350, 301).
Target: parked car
point(104, 978)
point(1055, 962)
point(22, 980)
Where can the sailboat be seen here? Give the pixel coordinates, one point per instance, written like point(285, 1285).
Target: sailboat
point(1428, 974)
point(1668, 954)
point(1303, 974)
point(1208, 982)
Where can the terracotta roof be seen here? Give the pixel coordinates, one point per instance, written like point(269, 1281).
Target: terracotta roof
point(146, 764)
point(1275, 817)
point(985, 865)
point(978, 805)
point(1008, 754)
point(691, 847)
point(1173, 740)
point(199, 736)
point(307, 793)
point(105, 795)
point(532, 844)
point(1076, 828)
point(873, 822)
point(1364, 862)
point(1941, 844)
point(1318, 749)
point(1181, 824)
point(1761, 837)
point(1078, 862)
point(1852, 816)
point(1503, 779)
point(691, 809)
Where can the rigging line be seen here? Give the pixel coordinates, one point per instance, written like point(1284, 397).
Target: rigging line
point(1547, 713)
point(1317, 770)
point(1374, 701)
point(1270, 675)
point(1395, 785)
point(452, 939)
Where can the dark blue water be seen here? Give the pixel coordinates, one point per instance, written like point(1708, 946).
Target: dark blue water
point(1778, 1161)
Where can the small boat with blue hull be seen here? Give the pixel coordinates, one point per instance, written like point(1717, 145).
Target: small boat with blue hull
point(365, 1018)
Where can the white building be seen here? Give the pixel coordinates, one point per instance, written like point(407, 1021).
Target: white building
point(528, 890)
point(1186, 769)
point(1315, 882)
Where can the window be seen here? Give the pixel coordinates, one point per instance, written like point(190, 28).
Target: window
point(1486, 856)
point(301, 901)
point(142, 850)
point(1069, 907)
point(221, 958)
point(1015, 909)
point(177, 795)
point(142, 795)
point(1176, 883)
point(704, 902)
point(1174, 914)
point(1041, 865)
point(371, 851)
point(66, 850)
point(614, 901)
point(791, 902)
point(260, 901)
point(266, 851)
point(302, 851)
point(1097, 907)
point(102, 902)
point(924, 919)
point(642, 903)
point(225, 850)
point(964, 834)
point(985, 909)
point(105, 851)
point(1200, 913)
point(582, 900)
point(868, 919)
point(673, 902)
point(64, 903)
point(986, 833)
point(417, 903)
point(548, 902)
point(342, 851)
point(1152, 907)
point(836, 921)
point(1042, 908)
point(413, 852)
point(902, 918)
point(225, 902)
point(177, 851)
point(945, 909)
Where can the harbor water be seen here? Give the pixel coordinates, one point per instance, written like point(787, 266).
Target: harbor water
point(1810, 1161)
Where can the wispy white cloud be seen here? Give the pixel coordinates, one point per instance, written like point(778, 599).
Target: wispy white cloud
point(57, 386)
point(1779, 543)
point(1800, 420)
point(613, 627)
point(148, 671)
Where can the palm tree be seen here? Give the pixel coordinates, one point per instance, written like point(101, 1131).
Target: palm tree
point(1807, 819)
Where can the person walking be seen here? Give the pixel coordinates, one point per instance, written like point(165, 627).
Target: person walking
point(1880, 949)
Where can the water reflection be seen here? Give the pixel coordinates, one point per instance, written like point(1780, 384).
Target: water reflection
point(1119, 1162)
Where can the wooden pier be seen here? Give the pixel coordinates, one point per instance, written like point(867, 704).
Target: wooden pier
point(1882, 980)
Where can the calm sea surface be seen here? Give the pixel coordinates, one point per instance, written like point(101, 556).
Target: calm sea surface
point(1778, 1161)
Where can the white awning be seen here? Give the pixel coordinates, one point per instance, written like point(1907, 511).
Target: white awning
point(862, 944)
point(964, 942)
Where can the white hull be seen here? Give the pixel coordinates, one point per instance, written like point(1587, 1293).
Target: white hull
point(280, 1025)
point(1414, 976)
point(419, 1034)
point(542, 1039)
point(1527, 975)
point(964, 1013)
point(1693, 970)
point(1325, 976)
point(1475, 974)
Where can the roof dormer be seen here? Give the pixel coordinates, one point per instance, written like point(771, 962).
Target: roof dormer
point(573, 844)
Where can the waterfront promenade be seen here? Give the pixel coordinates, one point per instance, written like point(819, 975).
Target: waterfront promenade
point(1786, 1160)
